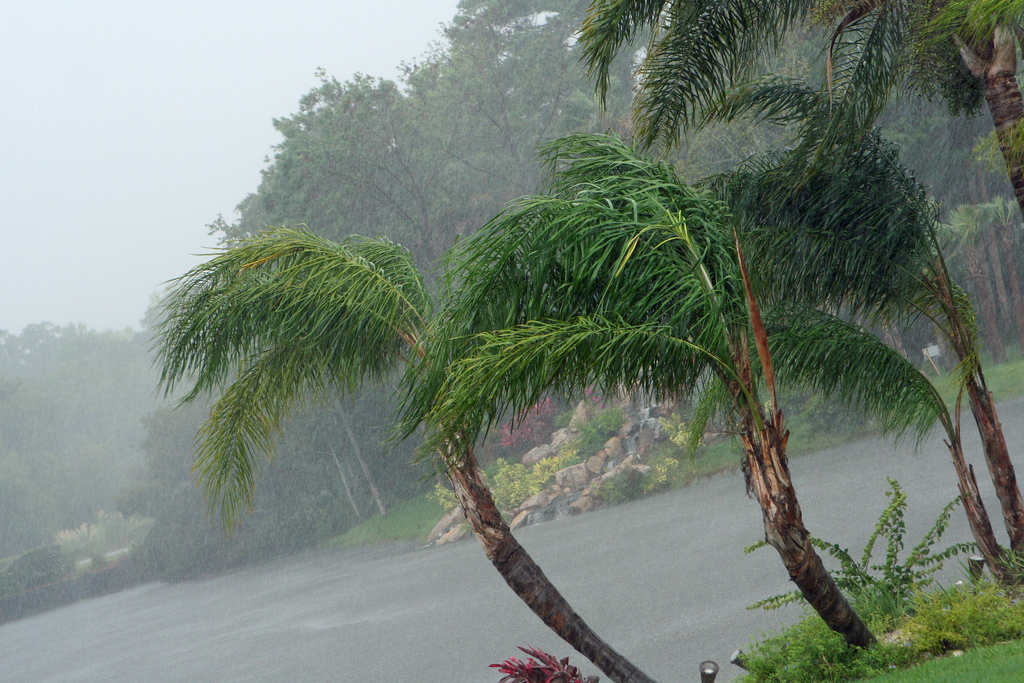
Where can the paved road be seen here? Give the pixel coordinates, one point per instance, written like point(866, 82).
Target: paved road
point(664, 580)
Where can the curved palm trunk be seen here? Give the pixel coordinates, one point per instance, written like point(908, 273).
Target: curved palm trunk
point(983, 290)
point(784, 529)
point(974, 507)
point(997, 456)
point(998, 75)
point(527, 579)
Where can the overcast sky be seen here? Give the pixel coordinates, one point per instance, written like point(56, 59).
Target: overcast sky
point(127, 126)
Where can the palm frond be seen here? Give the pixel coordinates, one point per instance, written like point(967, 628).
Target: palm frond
point(837, 358)
point(856, 231)
point(510, 369)
point(620, 238)
point(280, 318)
point(697, 51)
point(360, 303)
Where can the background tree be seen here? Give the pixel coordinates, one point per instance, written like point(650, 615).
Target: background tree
point(70, 404)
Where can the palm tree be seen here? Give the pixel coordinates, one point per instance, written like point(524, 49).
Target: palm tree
point(967, 224)
point(698, 51)
point(858, 233)
point(288, 317)
point(1006, 221)
point(625, 276)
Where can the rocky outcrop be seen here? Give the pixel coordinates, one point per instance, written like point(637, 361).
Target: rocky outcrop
point(577, 489)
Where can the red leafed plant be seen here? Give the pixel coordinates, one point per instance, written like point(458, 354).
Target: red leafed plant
point(530, 428)
point(545, 669)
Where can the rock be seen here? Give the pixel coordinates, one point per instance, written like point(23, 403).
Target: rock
point(596, 463)
point(585, 503)
point(542, 499)
point(456, 533)
point(626, 429)
point(613, 448)
point(535, 455)
point(454, 516)
point(574, 477)
point(519, 520)
point(581, 415)
point(561, 436)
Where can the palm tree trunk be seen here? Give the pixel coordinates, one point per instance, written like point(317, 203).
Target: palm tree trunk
point(525, 577)
point(983, 290)
point(997, 456)
point(1000, 467)
point(784, 530)
point(998, 75)
point(974, 507)
point(1004, 478)
point(348, 489)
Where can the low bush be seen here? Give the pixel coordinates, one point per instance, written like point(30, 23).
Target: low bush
point(37, 567)
point(964, 616)
point(882, 592)
point(810, 652)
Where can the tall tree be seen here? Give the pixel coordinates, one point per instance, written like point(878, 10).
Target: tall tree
point(858, 236)
point(289, 317)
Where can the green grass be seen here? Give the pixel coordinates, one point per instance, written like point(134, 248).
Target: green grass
point(410, 520)
point(1005, 381)
point(995, 664)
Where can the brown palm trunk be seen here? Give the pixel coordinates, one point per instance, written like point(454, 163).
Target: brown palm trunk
point(526, 578)
point(983, 291)
point(784, 530)
point(1004, 479)
point(998, 74)
point(997, 456)
point(974, 507)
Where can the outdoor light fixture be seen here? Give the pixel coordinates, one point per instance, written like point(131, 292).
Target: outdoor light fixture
point(708, 671)
point(975, 563)
point(737, 659)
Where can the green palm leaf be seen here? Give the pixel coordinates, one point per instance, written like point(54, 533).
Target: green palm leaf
point(282, 317)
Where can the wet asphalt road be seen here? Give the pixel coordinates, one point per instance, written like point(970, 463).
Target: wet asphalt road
point(664, 580)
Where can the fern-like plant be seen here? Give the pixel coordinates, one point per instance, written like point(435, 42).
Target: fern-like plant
point(884, 589)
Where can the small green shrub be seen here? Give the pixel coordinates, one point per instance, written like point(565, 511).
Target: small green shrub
point(810, 652)
point(444, 497)
point(963, 617)
point(37, 567)
point(595, 432)
point(882, 592)
point(512, 483)
point(626, 486)
point(681, 435)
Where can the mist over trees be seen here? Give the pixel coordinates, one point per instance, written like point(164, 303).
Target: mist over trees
point(71, 401)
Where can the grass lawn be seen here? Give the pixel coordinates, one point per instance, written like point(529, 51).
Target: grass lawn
point(997, 664)
point(410, 520)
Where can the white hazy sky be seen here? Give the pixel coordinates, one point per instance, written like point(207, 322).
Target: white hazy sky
point(127, 126)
